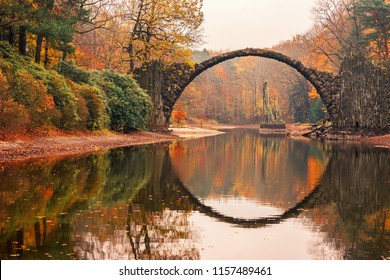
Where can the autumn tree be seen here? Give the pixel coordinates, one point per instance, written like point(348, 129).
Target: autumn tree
point(13, 18)
point(50, 23)
point(299, 100)
point(252, 73)
point(179, 115)
point(336, 32)
point(160, 29)
point(103, 48)
point(225, 92)
point(54, 22)
point(375, 20)
point(349, 27)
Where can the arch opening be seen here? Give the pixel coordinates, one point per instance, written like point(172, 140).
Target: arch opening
point(319, 79)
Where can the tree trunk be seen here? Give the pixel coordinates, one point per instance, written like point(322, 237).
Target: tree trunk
point(22, 40)
point(131, 59)
point(46, 61)
point(134, 35)
point(11, 36)
point(38, 48)
point(150, 78)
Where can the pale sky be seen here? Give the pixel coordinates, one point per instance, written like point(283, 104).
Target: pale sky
point(239, 24)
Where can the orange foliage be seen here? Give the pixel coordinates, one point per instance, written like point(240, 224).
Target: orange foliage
point(88, 59)
point(318, 59)
point(178, 153)
point(221, 72)
point(273, 94)
point(13, 116)
point(179, 115)
point(48, 193)
point(177, 150)
point(32, 92)
point(315, 168)
point(3, 84)
point(313, 94)
point(218, 182)
point(48, 104)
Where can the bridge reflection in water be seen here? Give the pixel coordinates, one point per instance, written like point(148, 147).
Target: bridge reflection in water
point(145, 203)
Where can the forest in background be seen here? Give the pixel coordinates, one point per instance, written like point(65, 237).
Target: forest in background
point(232, 92)
point(68, 64)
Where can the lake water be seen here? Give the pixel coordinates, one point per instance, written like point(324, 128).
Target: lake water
point(234, 196)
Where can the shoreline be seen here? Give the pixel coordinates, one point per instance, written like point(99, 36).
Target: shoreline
point(377, 141)
point(63, 146)
point(195, 132)
point(298, 130)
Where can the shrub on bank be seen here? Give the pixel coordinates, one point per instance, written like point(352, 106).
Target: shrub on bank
point(128, 105)
point(96, 117)
point(45, 95)
point(65, 102)
point(70, 70)
point(13, 116)
point(33, 97)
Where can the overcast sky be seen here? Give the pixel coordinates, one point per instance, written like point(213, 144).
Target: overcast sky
point(238, 24)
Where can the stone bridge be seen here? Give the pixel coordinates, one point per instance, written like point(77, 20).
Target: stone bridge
point(166, 84)
point(308, 202)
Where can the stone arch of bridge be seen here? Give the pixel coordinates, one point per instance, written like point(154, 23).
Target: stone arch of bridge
point(308, 202)
point(322, 81)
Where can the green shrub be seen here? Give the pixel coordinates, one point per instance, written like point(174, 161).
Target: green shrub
point(128, 105)
point(71, 97)
point(82, 112)
point(70, 70)
point(65, 101)
point(14, 117)
point(46, 94)
point(96, 107)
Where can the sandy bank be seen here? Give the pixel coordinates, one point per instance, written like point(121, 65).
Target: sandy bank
point(63, 146)
point(194, 132)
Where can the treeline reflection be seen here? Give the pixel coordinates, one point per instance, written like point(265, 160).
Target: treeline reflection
point(274, 170)
point(130, 203)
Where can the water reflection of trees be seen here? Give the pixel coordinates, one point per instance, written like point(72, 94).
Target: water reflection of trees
point(129, 204)
point(154, 224)
point(73, 209)
point(353, 213)
point(36, 198)
point(276, 171)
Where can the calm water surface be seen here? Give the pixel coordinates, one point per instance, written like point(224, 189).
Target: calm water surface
point(233, 196)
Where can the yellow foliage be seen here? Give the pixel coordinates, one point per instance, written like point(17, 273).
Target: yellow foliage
point(163, 31)
point(3, 84)
point(313, 94)
point(221, 73)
